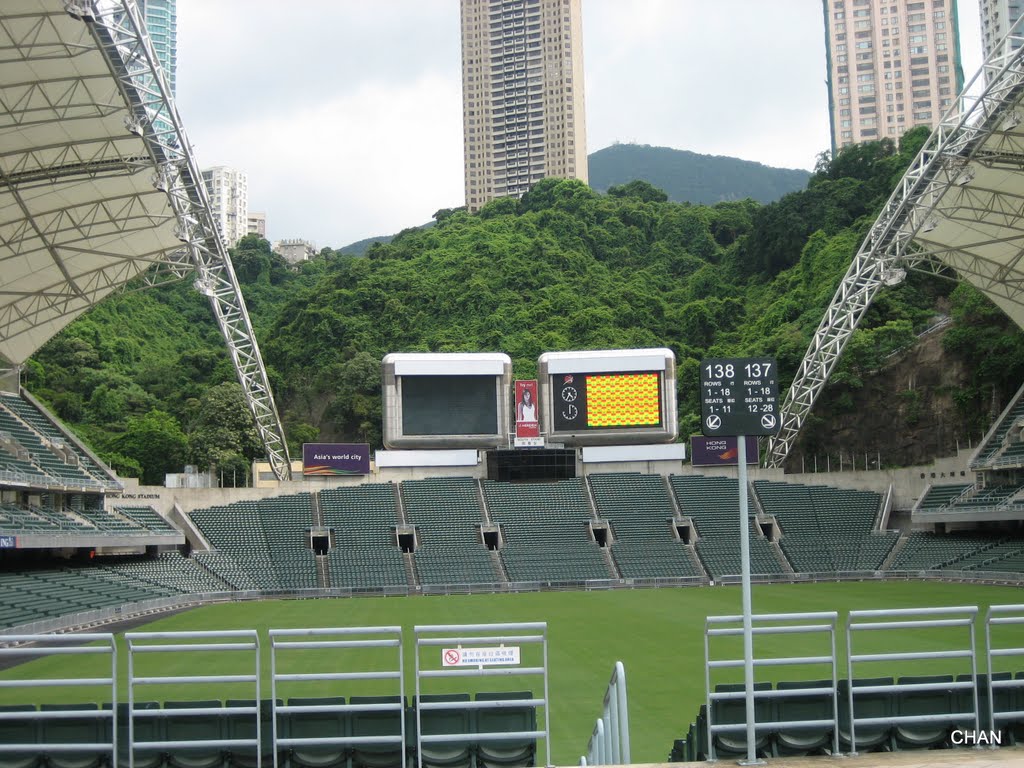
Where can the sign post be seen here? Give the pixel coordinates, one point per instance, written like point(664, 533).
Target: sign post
point(740, 397)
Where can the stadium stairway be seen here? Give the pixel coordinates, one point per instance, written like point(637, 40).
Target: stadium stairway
point(642, 517)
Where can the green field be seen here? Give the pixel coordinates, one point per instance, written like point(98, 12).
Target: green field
point(657, 634)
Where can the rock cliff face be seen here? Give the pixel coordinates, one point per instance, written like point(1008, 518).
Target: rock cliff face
point(903, 414)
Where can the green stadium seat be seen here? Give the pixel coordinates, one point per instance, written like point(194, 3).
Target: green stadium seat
point(311, 725)
point(919, 703)
point(196, 729)
point(731, 711)
point(20, 731)
point(517, 752)
point(385, 723)
point(457, 753)
point(88, 729)
point(243, 726)
point(815, 740)
point(963, 701)
point(869, 738)
point(146, 729)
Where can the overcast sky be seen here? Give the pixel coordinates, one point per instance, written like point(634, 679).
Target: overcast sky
point(346, 114)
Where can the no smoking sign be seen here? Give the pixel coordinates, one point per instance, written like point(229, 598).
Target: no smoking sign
point(480, 657)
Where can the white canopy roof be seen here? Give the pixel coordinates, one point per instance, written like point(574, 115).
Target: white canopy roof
point(79, 213)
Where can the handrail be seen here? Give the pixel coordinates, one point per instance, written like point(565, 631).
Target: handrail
point(609, 741)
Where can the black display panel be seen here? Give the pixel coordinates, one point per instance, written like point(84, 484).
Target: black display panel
point(449, 405)
point(592, 401)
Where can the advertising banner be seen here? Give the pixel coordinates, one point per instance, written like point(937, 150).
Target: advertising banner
point(527, 414)
point(327, 459)
point(720, 451)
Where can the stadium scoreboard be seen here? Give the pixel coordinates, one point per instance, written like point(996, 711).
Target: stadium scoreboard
point(609, 397)
point(446, 400)
point(739, 396)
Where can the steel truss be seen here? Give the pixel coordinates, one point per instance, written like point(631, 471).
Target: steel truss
point(938, 188)
point(120, 33)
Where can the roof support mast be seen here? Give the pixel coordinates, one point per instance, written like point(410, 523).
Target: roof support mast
point(120, 33)
point(932, 192)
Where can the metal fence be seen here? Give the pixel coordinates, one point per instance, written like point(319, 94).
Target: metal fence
point(49, 719)
point(477, 651)
point(1001, 707)
point(183, 725)
point(336, 647)
point(822, 624)
point(609, 741)
point(898, 625)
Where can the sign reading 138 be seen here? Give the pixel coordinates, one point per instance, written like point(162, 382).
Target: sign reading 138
point(739, 396)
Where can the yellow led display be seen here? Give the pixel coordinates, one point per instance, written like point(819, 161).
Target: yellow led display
point(623, 400)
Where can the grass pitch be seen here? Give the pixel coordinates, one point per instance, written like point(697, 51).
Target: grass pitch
point(658, 634)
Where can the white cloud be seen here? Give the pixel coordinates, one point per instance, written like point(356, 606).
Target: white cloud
point(346, 114)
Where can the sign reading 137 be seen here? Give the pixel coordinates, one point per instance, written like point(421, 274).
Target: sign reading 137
point(739, 396)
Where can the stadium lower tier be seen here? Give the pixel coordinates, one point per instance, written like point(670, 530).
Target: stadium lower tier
point(319, 732)
point(887, 715)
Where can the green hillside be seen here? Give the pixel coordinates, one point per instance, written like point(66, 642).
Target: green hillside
point(145, 378)
point(688, 177)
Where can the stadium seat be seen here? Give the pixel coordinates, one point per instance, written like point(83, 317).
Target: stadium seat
point(19, 731)
point(1015, 728)
point(731, 711)
point(870, 738)
point(918, 703)
point(243, 726)
point(87, 729)
point(697, 746)
point(518, 752)
point(457, 753)
point(384, 723)
point(309, 725)
point(195, 729)
point(816, 740)
point(146, 729)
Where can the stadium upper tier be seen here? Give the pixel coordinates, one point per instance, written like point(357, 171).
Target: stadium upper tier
point(37, 452)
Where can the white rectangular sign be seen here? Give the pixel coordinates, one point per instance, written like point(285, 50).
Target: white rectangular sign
point(475, 657)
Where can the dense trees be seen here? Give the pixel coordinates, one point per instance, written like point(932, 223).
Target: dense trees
point(563, 268)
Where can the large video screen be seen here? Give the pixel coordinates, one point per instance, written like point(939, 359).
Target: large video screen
point(628, 400)
point(446, 400)
point(608, 397)
point(449, 405)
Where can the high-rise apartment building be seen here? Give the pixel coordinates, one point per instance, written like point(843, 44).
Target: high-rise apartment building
point(892, 65)
point(997, 18)
point(162, 23)
point(522, 95)
point(228, 193)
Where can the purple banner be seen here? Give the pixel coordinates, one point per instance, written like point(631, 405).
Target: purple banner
point(720, 451)
point(335, 458)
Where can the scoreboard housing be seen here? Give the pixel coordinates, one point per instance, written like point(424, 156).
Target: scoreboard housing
point(446, 400)
point(608, 397)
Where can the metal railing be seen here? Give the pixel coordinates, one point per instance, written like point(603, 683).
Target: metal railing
point(902, 624)
point(816, 623)
point(231, 642)
point(481, 651)
point(609, 742)
point(336, 642)
point(101, 644)
point(1002, 616)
